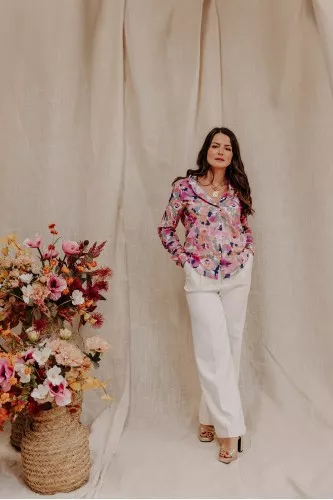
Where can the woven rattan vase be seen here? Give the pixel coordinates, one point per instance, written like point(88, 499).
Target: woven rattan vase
point(55, 452)
point(18, 428)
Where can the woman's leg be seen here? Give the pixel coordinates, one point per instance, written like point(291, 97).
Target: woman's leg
point(234, 296)
point(214, 361)
point(204, 415)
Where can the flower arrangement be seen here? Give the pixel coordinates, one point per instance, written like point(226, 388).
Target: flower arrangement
point(41, 366)
point(52, 288)
point(47, 374)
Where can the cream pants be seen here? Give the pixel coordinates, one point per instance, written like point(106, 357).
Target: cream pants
point(218, 311)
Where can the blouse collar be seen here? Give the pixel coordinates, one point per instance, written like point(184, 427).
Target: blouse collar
point(202, 193)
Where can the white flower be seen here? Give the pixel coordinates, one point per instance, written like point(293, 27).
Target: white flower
point(23, 372)
point(40, 392)
point(41, 356)
point(65, 334)
point(26, 278)
point(33, 335)
point(27, 292)
point(53, 375)
point(77, 298)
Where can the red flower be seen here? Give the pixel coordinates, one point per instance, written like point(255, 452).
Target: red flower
point(101, 285)
point(99, 320)
point(96, 249)
point(32, 406)
point(40, 325)
point(52, 229)
point(103, 272)
point(76, 284)
point(92, 294)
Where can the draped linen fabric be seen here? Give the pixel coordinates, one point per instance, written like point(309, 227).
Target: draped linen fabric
point(103, 103)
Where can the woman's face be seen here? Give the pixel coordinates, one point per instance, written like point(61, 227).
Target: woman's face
point(219, 154)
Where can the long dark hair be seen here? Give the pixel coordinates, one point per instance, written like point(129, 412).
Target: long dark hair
point(235, 173)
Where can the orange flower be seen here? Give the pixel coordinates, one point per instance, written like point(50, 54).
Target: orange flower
point(3, 415)
point(9, 356)
point(5, 333)
point(65, 292)
point(53, 263)
point(12, 380)
point(65, 269)
point(19, 407)
point(4, 398)
point(80, 269)
point(46, 270)
point(69, 281)
point(92, 264)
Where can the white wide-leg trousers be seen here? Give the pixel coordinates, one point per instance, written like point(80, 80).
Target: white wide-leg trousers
point(218, 311)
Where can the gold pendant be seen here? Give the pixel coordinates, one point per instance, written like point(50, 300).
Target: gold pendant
point(215, 194)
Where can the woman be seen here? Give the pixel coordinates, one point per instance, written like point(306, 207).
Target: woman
point(213, 203)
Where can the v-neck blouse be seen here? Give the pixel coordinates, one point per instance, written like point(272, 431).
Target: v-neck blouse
point(218, 239)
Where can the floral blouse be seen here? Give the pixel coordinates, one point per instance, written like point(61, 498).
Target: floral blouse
point(218, 240)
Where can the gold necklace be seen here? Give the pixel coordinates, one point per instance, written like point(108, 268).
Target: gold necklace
point(215, 190)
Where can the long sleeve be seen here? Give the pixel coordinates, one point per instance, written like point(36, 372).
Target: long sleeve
point(249, 235)
point(168, 225)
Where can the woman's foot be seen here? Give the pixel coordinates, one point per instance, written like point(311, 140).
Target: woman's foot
point(229, 448)
point(206, 433)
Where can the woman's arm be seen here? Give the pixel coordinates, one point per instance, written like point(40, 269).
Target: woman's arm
point(249, 236)
point(167, 228)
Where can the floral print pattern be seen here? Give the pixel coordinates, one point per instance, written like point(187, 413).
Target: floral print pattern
point(218, 240)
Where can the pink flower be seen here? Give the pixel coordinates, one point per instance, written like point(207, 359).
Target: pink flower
point(97, 344)
point(51, 253)
point(71, 247)
point(34, 243)
point(66, 353)
point(56, 285)
point(62, 396)
point(27, 356)
point(6, 372)
point(39, 293)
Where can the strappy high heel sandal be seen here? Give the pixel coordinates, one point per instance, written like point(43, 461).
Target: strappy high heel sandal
point(228, 456)
point(206, 433)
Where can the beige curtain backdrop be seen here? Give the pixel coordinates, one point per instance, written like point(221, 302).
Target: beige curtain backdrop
point(102, 104)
